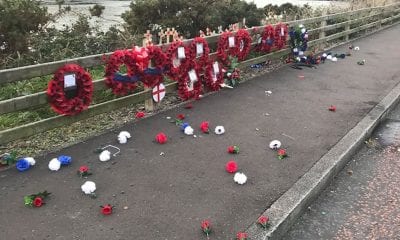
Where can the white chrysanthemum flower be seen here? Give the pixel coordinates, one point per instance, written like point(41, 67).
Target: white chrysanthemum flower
point(125, 134)
point(54, 164)
point(295, 50)
point(301, 53)
point(219, 130)
point(275, 144)
point(105, 156)
point(303, 30)
point(298, 59)
point(88, 187)
point(188, 130)
point(356, 48)
point(30, 160)
point(334, 59)
point(240, 178)
point(324, 55)
point(329, 57)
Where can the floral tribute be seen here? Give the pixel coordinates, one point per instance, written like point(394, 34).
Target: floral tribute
point(8, 159)
point(59, 101)
point(83, 171)
point(204, 127)
point(214, 75)
point(119, 83)
point(267, 39)
point(36, 200)
point(281, 153)
point(224, 49)
point(153, 76)
point(231, 166)
point(232, 75)
point(178, 57)
point(298, 40)
point(281, 34)
point(263, 221)
point(189, 83)
point(200, 51)
point(161, 138)
point(243, 41)
point(107, 209)
point(24, 164)
point(233, 149)
point(206, 227)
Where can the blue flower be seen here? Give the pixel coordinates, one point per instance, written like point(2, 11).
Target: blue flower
point(184, 125)
point(22, 165)
point(64, 160)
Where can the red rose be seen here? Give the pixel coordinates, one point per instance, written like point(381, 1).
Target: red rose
point(281, 152)
point(83, 169)
point(241, 236)
point(180, 116)
point(233, 149)
point(206, 227)
point(263, 221)
point(38, 202)
point(139, 114)
point(332, 108)
point(161, 138)
point(204, 127)
point(231, 167)
point(107, 209)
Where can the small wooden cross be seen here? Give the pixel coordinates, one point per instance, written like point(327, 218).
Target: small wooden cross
point(161, 35)
point(168, 33)
point(147, 41)
point(202, 33)
point(208, 32)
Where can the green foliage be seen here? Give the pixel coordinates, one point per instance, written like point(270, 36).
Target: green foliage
point(189, 16)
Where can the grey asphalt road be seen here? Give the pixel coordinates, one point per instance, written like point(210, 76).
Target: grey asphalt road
point(167, 196)
point(363, 202)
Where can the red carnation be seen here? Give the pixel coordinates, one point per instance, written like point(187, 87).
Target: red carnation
point(206, 227)
point(231, 166)
point(332, 108)
point(204, 127)
point(233, 149)
point(263, 221)
point(241, 236)
point(161, 138)
point(38, 202)
point(180, 116)
point(139, 114)
point(281, 153)
point(107, 209)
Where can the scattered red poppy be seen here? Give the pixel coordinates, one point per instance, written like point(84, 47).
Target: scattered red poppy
point(231, 166)
point(281, 153)
point(332, 108)
point(161, 138)
point(83, 169)
point(233, 149)
point(241, 236)
point(189, 106)
point(107, 209)
point(139, 114)
point(204, 126)
point(38, 202)
point(180, 116)
point(263, 221)
point(206, 227)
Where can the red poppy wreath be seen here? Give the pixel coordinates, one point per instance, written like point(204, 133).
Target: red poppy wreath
point(226, 47)
point(70, 75)
point(119, 83)
point(178, 58)
point(281, 33)
point(243, 42)
point(200, 51)
point(154, 75)
point(267, 39)
point(189, 84)
point(214, 75)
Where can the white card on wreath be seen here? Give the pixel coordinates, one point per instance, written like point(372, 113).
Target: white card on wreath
point(181, 53)
point(231, 41)
point(192, 75)
point(216, 68)
point(199, 49)
point(282, 32)
point(214, 77)
point(241, 45)
point(69, 81)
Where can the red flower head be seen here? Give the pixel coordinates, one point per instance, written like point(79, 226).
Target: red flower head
point(241, 236)
point(204, 127)
point(263, 221)
point(332, 108)
point(233, 149)
point(206, 227)
point(282, 153)
point(231, 166)
point(38, 202)
point(139, 114)
point(107, 209)
point(161, 138)
point(83, 169)
point(180, 116)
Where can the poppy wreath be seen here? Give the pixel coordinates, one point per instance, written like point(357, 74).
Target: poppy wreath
point(243, 43)
point(184, 80)
point(154, 75)
point(213, 81)
point(58, 100)
point(298, 40)
point(202, 59)
point(172, 53)
point(120, 84)
point(223, 49)
point(267, 39)
point(281, 33)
